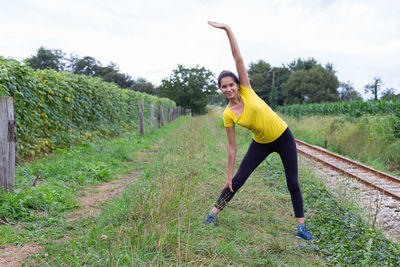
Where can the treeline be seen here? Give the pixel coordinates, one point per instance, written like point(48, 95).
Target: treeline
point(189, 88)
point(302, 81)
point(57, 60)
point(307, 81)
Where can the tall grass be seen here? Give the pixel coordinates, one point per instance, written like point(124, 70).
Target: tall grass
point(371, 139)
point(40, 209)
point(345, 237)
point(159, 219)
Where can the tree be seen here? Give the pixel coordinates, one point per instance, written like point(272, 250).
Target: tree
point(47, 59)
point(311, 86)
point(329, 67)
point(142, 85)
point(260, 78)
point(267, 81)
point(189, 87)
point(347, 92)
point(111, 73)
point(374, 87)
point(279, 76)
point(389, 94)
point(301, 64)
point(87, 66)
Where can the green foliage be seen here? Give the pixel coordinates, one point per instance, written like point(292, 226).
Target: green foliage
point(111, 73)
point(87, 66)
point(347, 92)
point(23, 203)
point(301, 81)
point(39, 131)
point(354, 108)
point(311, 86)
point(91, 67)
point(190, 88)
point(374, 87)
point(158, 219)
point(389, 94)
point(344, 236)
point(62, 174)
point(55, 59)
point(267, 81)
point(302, 64)
point(47, 59)
point(142, 85)
point(371, 139)
point(260, 78)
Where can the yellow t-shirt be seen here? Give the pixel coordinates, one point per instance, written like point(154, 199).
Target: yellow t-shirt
point(257, 116)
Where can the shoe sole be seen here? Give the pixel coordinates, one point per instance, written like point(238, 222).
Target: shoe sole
point(306, 239)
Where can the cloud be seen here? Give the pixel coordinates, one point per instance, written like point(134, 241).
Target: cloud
point(149, 38)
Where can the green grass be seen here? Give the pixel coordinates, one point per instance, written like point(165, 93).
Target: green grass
point(345, 237)
point(62, 175)
point(371, 139)
point(157, 220)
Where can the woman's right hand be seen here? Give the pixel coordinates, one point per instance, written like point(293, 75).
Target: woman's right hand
point(228, 184)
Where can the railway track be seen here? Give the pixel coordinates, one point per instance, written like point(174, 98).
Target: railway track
point(381, 181)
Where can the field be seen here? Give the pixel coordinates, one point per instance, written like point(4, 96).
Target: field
point(169, 181)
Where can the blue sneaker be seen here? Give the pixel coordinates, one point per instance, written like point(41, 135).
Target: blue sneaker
point(303, 233)
point(210, 218)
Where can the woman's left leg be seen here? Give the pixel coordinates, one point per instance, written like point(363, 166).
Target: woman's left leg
point(287, 150)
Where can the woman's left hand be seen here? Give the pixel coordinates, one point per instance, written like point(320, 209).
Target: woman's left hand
point(228, 184)
point(218, 25)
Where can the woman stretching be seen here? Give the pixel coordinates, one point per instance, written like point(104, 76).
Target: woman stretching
point(270, 134)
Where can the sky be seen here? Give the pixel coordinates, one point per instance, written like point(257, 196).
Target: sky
point(149, 38)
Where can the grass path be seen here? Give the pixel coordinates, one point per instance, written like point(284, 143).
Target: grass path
point(157, 220)
point(142, 203)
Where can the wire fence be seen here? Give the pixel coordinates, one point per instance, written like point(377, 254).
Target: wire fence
point(8, 170)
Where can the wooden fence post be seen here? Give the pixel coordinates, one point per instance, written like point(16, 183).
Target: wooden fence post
point(159, 116)
point(7, 143)
point(141, 117)
point(162, 116)
point(152, 115)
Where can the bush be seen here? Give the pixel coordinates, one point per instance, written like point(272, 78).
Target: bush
point(41, 95)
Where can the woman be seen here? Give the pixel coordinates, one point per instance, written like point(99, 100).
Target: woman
point(270, 134)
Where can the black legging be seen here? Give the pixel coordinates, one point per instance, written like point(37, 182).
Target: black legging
point(285, 146)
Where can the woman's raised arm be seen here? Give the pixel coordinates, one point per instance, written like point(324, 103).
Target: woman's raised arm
point(240, 67)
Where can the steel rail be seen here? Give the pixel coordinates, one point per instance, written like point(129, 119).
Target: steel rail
point(365, 167)
point(354, 163)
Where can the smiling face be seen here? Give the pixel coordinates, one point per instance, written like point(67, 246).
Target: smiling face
point(229, 87)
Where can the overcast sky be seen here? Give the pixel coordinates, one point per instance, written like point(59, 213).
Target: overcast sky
point(148, 38)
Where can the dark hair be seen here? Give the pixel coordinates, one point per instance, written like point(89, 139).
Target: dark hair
point(227, 73)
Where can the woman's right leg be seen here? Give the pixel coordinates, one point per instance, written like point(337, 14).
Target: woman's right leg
point(254, 156)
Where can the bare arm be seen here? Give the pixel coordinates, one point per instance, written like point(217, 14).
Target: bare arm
point(237, 56)
point(230, 131)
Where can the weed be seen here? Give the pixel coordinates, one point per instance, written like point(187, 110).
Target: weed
point(371, 139)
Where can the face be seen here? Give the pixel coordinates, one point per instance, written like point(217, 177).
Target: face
point(229, 87)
